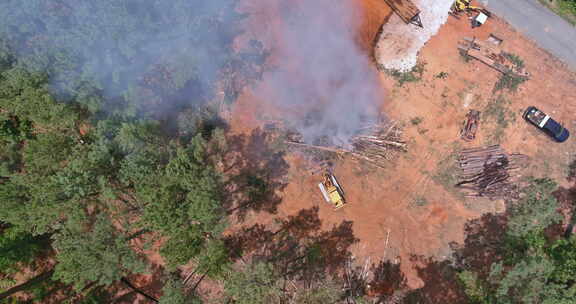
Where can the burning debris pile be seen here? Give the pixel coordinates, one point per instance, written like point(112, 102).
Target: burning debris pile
point(486, 172)
point(322, 82)
point(375, 144)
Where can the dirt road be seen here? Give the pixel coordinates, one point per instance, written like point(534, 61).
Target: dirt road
point(540, 24)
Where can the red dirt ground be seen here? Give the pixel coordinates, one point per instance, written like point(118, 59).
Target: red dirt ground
point(391, 199)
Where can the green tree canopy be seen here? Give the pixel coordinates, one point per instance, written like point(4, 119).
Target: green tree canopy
point(173, 293)
point(98, 253)
point(18, 247)
point(92, 179)
point(144, 56)
point(536, 211)
point(534, 269)
point(182, 200)
point(257, 284)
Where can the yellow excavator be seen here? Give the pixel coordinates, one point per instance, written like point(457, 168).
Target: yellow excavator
point(331, 190)
point(466, 6)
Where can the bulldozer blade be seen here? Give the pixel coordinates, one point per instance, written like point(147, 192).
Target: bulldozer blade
point(335, 182)
point(324, 192)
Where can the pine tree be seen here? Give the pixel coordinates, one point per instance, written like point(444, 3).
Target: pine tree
point(18, 248)
point(97, 254)
point(173, 293)
point(536, 211)
point(256, 284)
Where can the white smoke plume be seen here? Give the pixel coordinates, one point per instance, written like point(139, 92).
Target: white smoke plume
point(148, 55)
point(326, 86)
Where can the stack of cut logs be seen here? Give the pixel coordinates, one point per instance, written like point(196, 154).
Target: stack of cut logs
point(376, 144)
point(486, 172)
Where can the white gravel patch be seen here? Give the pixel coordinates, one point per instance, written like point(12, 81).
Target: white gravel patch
point(399, 43)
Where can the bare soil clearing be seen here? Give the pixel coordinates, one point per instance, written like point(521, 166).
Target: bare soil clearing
point(412, 198)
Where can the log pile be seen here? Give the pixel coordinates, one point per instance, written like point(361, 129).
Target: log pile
point(487, 172)
point(376, 144)
point(491, 55)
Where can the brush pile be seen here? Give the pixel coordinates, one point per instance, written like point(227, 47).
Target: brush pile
point(487, 172)
point(375, 144)
point(380, 144)
point(356, 280)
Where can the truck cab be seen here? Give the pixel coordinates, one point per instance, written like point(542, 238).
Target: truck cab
point(546, 124)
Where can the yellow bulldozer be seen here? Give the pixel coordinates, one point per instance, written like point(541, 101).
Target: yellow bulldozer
point(331, 190)
point(465, 6)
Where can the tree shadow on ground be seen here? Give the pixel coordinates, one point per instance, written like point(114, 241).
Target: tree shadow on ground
point(486, 243)
point(149, 284)
point(440, 283)
point(572, 171)
point(256, 174)
point(296, 245)
point(567, 198)
point(387, 281)
point(483, 246)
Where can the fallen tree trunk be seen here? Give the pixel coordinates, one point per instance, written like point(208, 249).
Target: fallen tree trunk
point(340, 152)
point(28, 284)
point(138, 291)
point(333, 150)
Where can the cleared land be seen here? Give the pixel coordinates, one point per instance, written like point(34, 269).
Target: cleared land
point(414, 199)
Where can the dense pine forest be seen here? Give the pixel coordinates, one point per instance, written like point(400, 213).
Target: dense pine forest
point(112, 151)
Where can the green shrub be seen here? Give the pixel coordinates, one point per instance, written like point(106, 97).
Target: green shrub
point(509, 81)
point(414, 75)
point(441, 75)
point(568, 6)
point(416, 120)
point(17, 247)
point(515, 59)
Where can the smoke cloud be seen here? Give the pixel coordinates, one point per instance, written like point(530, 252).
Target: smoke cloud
point(324, 83)
point(154, 56)
point(144, 55)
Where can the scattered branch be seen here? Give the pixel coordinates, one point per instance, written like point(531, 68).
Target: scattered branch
point(377, 145)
